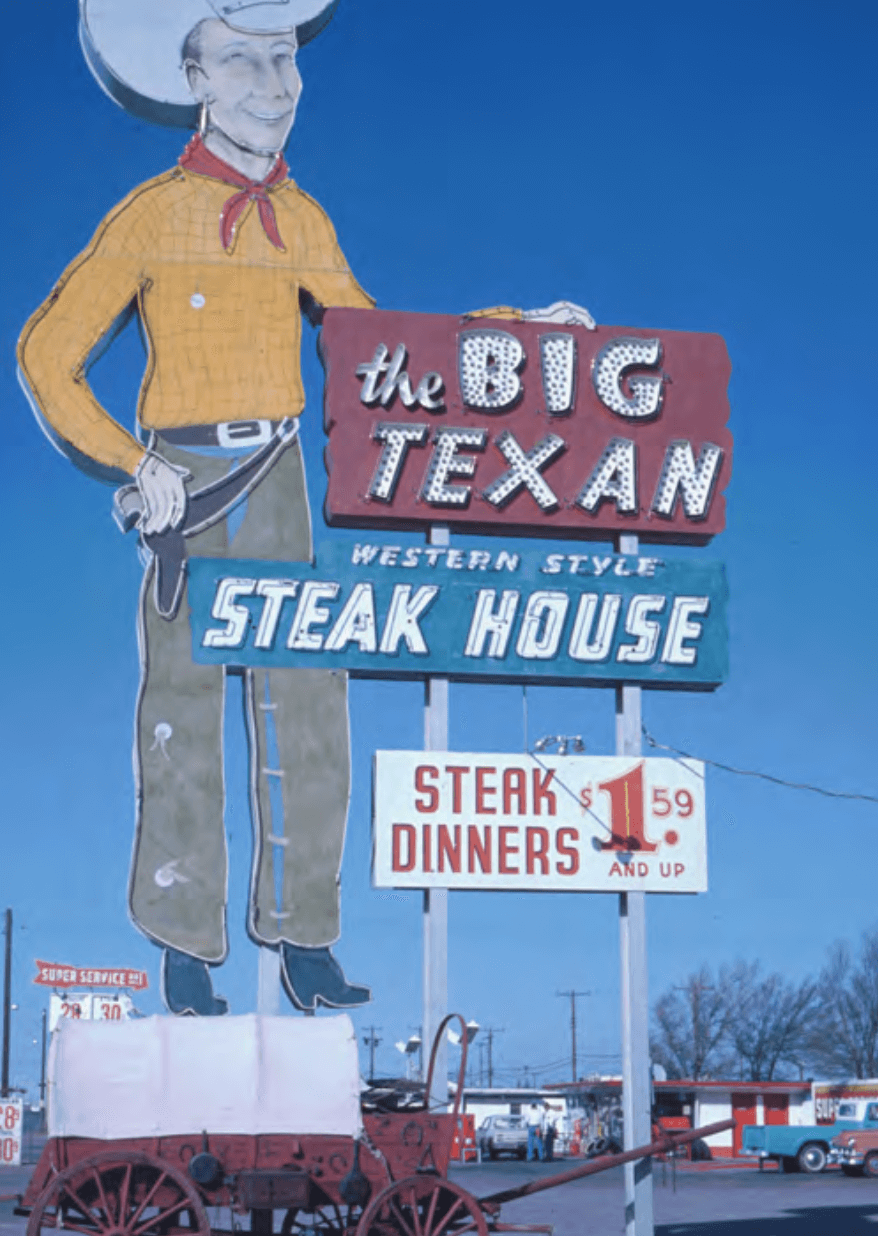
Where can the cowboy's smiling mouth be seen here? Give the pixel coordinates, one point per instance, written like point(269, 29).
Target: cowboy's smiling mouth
point(269, 117)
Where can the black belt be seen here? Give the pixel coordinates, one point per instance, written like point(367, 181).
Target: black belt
point(227, 434)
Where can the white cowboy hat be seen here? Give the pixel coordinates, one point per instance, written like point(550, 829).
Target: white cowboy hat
point(134, 47)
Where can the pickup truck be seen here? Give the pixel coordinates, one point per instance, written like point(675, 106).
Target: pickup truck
point(806, 1147)
point(856, 1152)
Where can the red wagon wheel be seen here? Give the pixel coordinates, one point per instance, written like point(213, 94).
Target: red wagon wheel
point(119, 1194)
point(421, 1206)
point(325, 1220)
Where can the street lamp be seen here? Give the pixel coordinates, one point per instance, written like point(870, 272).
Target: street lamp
point(567, 744)
point(457, 1039)
point(408, 1048)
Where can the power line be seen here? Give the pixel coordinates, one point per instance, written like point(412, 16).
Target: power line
point(763, 776)
point(740, 772)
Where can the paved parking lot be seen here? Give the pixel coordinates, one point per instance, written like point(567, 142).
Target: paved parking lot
point(733, 1202)
point(730, 1202)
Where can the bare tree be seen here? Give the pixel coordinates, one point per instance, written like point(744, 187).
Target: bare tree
point(845, 1037)
point(770, 1020)
point(690, 1026)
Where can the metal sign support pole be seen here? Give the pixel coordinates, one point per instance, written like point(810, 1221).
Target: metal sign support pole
point(636, 1089)
point(7, 1006)
point(436, 899)
point(268, 982)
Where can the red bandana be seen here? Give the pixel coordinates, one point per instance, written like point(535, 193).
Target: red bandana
point(197, 158)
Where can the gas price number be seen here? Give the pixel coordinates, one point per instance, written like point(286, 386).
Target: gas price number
point(11, 1119)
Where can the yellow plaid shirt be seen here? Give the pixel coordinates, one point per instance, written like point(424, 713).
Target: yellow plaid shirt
point(223, 328)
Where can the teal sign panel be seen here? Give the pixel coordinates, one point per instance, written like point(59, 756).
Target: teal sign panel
point(380, 610)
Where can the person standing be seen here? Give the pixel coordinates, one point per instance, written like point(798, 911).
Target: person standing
point(548, 1135)
point(533, 1117)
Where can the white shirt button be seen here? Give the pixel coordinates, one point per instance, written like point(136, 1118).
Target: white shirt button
point(196, 300)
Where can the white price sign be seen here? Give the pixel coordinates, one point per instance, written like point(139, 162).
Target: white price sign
point(538, 823)
point(76, 1007)
point(83, 1006)
point(111, 1008)
point(11, 1117)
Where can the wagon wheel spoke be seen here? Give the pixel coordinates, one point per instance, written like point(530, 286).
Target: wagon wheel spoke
point(472, 1226)
point(80, 1205)
point(155, 1220)
point(124, 1192)
point(413, 1203)
point(146, 1201)
point(431, 1210)
point(400, 1218)
point(452, 1212)
point(98, 1179)
point(74, 1227)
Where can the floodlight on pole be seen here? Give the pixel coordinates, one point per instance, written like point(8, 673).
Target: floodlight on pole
point(408, 1049)
point(455, 1037)
point(567, 744)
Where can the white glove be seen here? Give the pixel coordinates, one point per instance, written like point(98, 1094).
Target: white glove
point(564, 312)
point(163, 493)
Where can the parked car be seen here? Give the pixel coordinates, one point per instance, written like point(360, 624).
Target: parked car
point(503, 1135)
point(856, 1151)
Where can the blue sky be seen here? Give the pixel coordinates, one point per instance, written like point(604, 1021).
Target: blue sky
point(694, 167)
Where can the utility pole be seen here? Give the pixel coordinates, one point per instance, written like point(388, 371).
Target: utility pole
point(371, 1042)
point(573, 997)
point(490, 1031)
point(7, 1006)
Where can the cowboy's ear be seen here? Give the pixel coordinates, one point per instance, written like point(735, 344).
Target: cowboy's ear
point(198, 83)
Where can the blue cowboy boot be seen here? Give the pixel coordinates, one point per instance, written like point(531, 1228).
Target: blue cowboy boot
point(186, 987)
point(312, 975)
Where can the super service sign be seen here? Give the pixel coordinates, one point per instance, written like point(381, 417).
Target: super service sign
point(511, 427)
point(389, 610)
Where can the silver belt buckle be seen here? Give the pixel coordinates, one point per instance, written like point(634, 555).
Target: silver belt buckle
point(243, 433)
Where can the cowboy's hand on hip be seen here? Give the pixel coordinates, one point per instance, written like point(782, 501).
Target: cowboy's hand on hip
point(163, 491)
point(562, 312)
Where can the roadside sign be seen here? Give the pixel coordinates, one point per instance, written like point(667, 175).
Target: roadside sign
point(70, 1008)
point(828, 1095)
point(498, 426)
point(538, 823)
point(54, 974)
point(83, 1006)
point(11, 1125)
point(394, 611)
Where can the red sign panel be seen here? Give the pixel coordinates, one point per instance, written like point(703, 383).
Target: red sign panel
point(525, 428)
point(51, 974)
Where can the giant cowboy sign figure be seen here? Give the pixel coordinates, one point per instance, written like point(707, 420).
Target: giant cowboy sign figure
point(219, 257)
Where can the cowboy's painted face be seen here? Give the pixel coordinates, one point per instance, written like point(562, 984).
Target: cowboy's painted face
point(250, 83)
